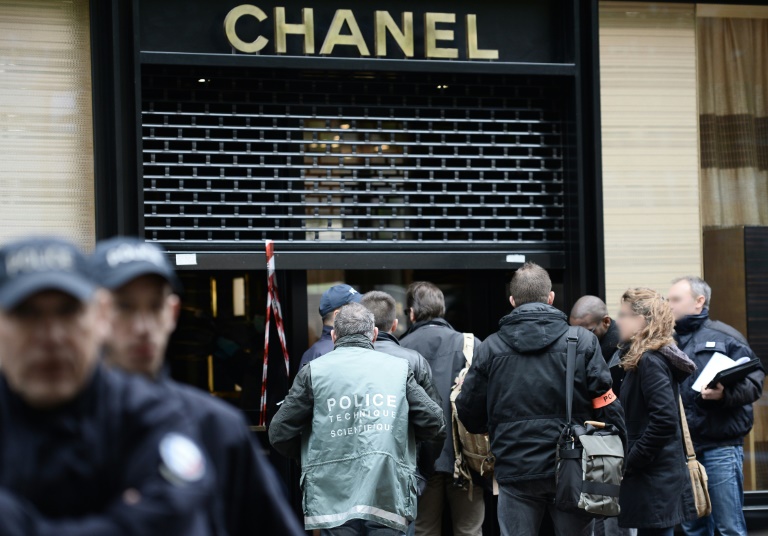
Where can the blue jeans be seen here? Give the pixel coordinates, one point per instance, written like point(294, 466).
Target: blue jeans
point(361, 527)
point(725, 470)
point(522, 505)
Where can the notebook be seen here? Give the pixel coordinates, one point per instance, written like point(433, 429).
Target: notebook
point(717, 364)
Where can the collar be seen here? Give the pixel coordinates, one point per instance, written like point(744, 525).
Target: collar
point(387, 337)
point(691, 323)
point(433, 322)
point(83, 402)
point(326, 331)
point(354, 341)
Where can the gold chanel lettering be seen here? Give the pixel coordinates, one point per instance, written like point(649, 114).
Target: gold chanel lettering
point(344, 30)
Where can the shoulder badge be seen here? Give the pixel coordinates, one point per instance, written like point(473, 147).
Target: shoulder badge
point(182, 461)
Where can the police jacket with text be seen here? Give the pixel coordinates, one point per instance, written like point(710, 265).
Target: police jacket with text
point(121, 458)
point(356, 414)
point(515, 390)
point(716, 423)
point(249, 497)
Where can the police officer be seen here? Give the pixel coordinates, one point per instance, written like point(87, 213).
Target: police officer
point(249, 498)
point(353, 417)
point(331, 301)
point(84, 450)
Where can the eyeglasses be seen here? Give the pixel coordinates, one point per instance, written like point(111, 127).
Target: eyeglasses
point(626, 315)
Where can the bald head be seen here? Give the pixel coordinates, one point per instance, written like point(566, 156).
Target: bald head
point(589, 306)
point(590, 312)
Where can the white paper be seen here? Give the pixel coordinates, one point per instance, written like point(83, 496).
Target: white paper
point(717, 363)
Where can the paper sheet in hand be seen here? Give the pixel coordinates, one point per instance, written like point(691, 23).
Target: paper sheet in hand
point(718, 362)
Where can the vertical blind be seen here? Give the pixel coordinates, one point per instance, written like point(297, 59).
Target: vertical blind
point(46, 133)
point(650, 145)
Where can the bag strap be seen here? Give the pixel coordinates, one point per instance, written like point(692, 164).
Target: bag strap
point(570, 370)
point(690, 453)
point(469, 347)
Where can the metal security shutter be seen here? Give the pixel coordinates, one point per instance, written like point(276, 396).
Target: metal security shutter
point(310, 157)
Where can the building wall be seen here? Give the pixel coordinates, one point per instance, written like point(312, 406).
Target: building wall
point(46, 133)
point(650, 145)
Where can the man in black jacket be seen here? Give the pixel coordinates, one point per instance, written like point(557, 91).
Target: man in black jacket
point(384, 309)
point(443, 347)
point(591, 313)
point(515, 391)
point(718, 418)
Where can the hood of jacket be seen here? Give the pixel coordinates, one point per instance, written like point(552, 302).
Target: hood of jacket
point(532, 327)
point(680, 364)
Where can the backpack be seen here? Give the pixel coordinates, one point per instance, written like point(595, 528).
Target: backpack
point(590, 458)
point(473, 451)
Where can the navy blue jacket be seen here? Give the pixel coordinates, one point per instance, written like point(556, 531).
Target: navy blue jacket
point(716, 423)
point(65, 472)
point(249, 497)
point(324, 345)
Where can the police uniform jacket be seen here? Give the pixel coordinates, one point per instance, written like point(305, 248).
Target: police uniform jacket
point(356, 413)
point(119, 459)
point(249, 498)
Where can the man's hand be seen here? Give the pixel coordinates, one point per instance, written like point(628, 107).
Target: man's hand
point(713, 394)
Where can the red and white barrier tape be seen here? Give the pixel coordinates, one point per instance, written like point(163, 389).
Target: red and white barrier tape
point(273, 305)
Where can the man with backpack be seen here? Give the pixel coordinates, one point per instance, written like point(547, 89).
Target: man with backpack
point(516, 391)
point(443, 347)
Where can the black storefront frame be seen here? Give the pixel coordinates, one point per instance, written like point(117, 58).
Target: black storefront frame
point(117, 142)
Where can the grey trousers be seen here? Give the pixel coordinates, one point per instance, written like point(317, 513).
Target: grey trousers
point(467, 516)
point(610, 527)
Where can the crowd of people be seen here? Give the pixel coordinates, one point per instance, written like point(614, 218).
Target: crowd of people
point(99, 440)
point(633, 372)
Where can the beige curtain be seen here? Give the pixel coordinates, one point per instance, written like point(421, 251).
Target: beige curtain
point(733, 90)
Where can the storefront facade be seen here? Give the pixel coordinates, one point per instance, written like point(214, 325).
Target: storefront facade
point(376, 145)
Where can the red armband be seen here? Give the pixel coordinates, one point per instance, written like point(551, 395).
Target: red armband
point(603, 400)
